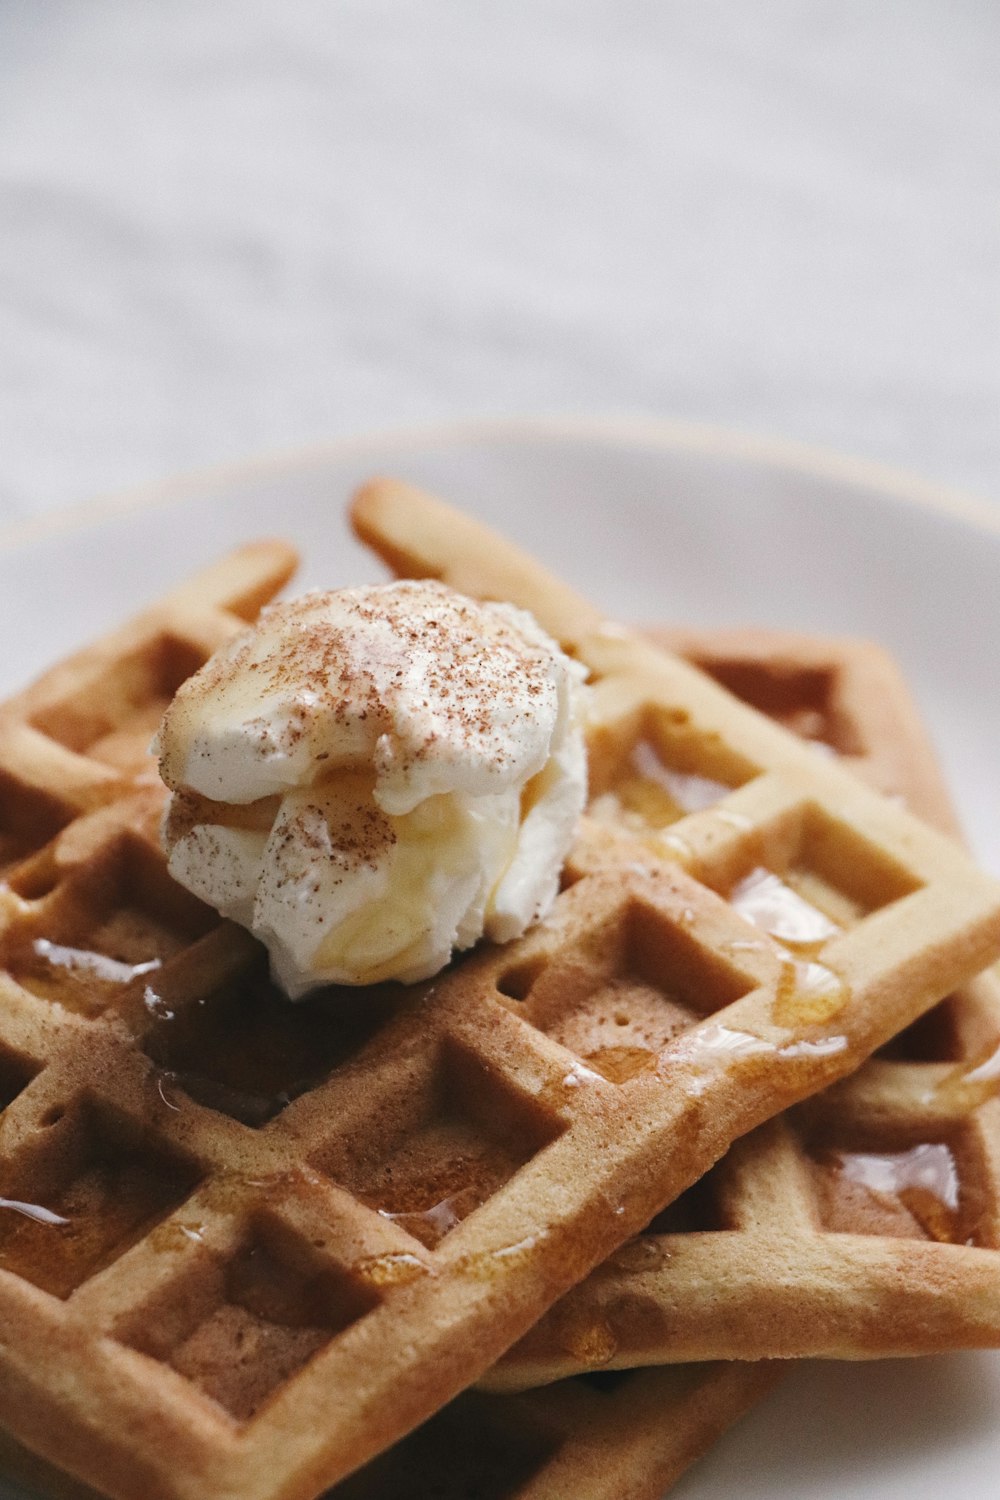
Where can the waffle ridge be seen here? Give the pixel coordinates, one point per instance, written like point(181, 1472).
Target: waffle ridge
point(864, 1223)
point(583, 1439)
point(382, 1218)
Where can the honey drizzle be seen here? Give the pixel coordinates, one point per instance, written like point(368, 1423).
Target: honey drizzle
point(82, 979)
point(107, 970)
point(483, 1263)
point(589, 1340)
point(392, 1268)
point(924, 1179)
point(34, 1211)
point(651, 794)
point(619, 1064)
point(771, 904)
point(713, 1043)
point(114, 1200)
point(430, 1224)
point(809, 992)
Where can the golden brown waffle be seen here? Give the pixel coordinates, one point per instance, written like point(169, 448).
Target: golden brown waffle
point(865, 1222)
point(89, 914)
point(845, 697)
point(635, 1435)
point(292, 1237)
point(75, 739)
point(630, 1434)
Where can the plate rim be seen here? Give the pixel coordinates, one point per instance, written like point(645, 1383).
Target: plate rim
point(669, 434)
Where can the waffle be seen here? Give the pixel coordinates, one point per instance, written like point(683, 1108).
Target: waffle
point(864, 1223)
point(293, 1236)
point(630, 1434)
point(844, 697)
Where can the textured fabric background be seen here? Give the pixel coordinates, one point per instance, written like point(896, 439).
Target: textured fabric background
point(229, 226)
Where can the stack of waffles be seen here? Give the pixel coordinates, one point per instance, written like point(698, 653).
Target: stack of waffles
point(612, 1172)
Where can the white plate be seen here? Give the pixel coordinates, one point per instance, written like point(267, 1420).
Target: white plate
point(655, 522)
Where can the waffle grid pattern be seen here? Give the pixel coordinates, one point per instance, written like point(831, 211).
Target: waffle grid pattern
point(243, 1243)
point(864, 1223)
point(587, 1439)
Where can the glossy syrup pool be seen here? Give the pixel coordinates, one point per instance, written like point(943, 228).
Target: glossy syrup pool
point(971, 1084)
point(102, 928)
point(777, 908)
point(809, 991)
point(636, 989)
point(91, 1192)
point(247, 1051)
point(648, 793)
point(619, 1028)
point(912, 1192)
point(82, 979)
point(430, 1225)
point(440, 1175)
point(587, 1337)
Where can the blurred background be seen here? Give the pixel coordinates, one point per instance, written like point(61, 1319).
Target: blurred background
point(234, 226)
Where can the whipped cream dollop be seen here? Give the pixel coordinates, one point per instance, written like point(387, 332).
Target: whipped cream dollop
point(373, 778)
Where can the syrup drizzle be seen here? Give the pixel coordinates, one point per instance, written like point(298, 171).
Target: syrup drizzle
point(770, 903)
point(591, 1342)
point(924, 1179)
point(88, 961)
point(393, 1268)
point(987, 1071)
point(651, 795)
point(244, 1051)
point(644, 1253)
point(579, 1074)
point(483, 1263)
point(82, 979)
point(172, 1236)
point(156, 1005)
point(710, 1044)
point(681, 791)
point(34, 1211)
point(116, 1195)
point(619, 1064)
point(678, 848)
point(517, 1250)
point(733, 818)
point(430, 1224)
point(809, 992)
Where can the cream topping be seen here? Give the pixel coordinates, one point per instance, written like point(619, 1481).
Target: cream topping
point(372, 778)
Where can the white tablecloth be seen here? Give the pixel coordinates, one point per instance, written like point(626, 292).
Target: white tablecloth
point(229, 226)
